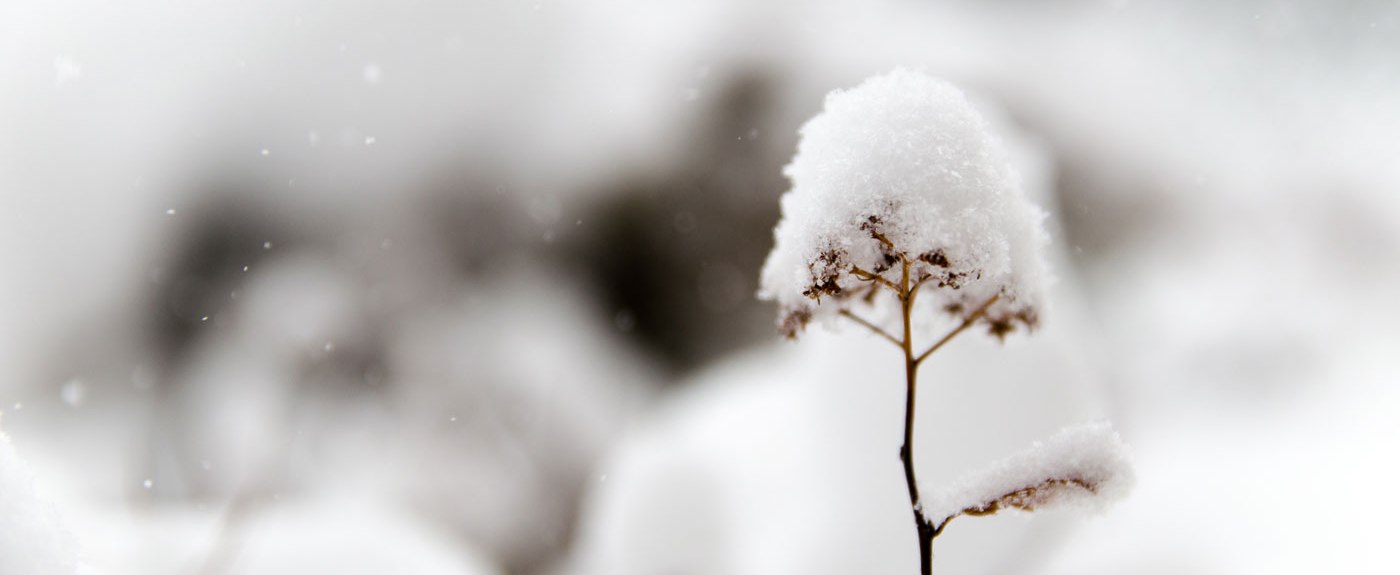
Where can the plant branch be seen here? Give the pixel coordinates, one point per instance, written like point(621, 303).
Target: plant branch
point(914, 290)
point(977, 314)
point(872, 327)
point(1025, 498)
point(877, 278)
point(906, 451)
point(884, 240)
point(906, 292)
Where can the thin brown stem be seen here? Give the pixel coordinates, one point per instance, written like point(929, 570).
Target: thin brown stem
point(914, 291)
point(879, 279)
point(1024, 498)
point(967, 322)
point(906, 451)
point(872, 327)
point(879, 237)
point(906, 292)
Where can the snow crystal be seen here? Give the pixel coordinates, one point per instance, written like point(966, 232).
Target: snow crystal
point(1081, 466)
point(903, 167)
point(32, 539)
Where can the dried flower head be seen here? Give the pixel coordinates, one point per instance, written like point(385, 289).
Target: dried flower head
point(902, 170)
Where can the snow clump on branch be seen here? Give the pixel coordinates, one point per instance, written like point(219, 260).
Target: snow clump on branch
point(903, 171)
point(1085, 465)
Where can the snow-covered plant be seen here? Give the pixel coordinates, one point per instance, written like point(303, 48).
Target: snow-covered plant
point(904, 207)
point(1083, 466)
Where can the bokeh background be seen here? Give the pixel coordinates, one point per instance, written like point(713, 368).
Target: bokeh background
point(467, 287)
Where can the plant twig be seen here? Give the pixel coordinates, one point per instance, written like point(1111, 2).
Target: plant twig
point(1025, 498)
point(906, 451)
point(967, 322)
point(872, 327)
point(877, 278)
point(906, 292)
point(914, 291)
point(884, 240)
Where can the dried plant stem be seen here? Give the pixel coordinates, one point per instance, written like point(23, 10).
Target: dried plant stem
point(879, 279)
point(906, 294)
point(906, 451)
point(967, 322)
point(872, 327)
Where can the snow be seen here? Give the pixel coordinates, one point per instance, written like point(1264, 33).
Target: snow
point(32, 537)
point(348, 533)
point(1083, 466)
point(903, 165)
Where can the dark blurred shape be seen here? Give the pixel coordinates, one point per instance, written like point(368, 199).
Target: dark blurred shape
point(1105, 208)
point(209, 260)
point(483, 224)
point(677, 255)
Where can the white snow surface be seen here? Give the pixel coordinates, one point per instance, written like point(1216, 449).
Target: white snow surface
point(32, 538)
point(906, 155)
point(1091, 453)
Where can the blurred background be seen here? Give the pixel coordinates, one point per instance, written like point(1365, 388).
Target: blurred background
point(467, 287)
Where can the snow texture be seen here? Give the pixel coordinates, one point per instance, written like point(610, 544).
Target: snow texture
point(903, 167)
point(32, 539)
point(1085, 466)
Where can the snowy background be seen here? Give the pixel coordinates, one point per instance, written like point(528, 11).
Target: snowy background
point(467, 287)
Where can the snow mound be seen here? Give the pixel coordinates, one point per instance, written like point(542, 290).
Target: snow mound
point(32, 538)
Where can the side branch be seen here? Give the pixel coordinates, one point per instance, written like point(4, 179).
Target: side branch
point(879, 237)
point(877, 278)
point(977, 314)
point(872, 327)
point(1027, 498)
point(914, 290)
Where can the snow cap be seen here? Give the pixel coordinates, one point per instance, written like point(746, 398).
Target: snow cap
point(900, 169)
